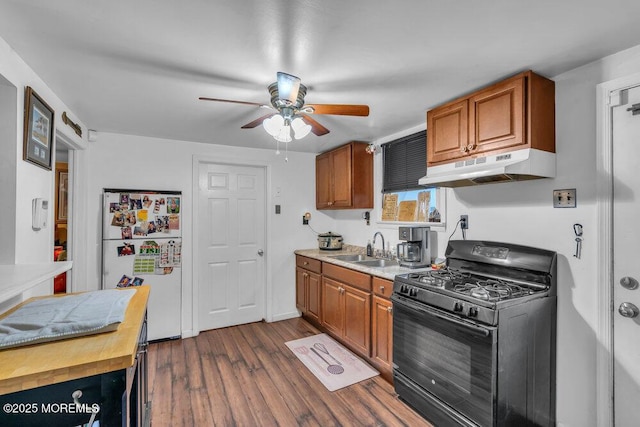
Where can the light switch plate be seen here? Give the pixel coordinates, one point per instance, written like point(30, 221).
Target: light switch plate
point(564, 198)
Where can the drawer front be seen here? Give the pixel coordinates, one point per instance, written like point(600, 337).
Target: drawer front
point(309, 264)
point(382, 287)
point(350, 277)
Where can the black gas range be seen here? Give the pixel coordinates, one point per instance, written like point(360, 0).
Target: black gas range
point(474, 342)
point(471, 295)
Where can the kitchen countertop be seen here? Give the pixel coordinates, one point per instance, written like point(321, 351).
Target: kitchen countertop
point(23, 368)
point(388, 273)
point(18, 278)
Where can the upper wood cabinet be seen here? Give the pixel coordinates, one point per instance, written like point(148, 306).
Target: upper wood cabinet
point(344, 178)
point(518, 112)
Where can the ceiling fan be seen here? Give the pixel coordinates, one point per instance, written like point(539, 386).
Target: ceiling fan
point(291, 113)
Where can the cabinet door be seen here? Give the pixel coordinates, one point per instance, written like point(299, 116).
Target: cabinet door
point(301, 290)
point(382, 332)
point(323, 181)
point(357, 323)
point(341, 177)
point(313, 296)
point(332, 305)
point(447, 132)
point(496, 117)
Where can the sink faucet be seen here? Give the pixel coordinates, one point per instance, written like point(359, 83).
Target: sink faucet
point(374, 242)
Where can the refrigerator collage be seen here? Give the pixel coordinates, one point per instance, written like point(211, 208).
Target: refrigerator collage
point(142, 245)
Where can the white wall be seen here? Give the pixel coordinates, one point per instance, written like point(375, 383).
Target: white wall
point(123, 161)
point(25, 181)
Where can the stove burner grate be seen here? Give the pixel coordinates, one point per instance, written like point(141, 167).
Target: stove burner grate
point(491, 290)
point(439, 278)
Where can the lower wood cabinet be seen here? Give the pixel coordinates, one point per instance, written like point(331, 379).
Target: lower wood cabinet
point(346, 312)
point(354, 307)
point(308, 287)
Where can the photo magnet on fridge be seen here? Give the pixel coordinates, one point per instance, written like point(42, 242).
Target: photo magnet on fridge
point(146, 201)
point(173, 205)
point(124, 281)
point(126, 233)
point(127, 249)
point(118, 219)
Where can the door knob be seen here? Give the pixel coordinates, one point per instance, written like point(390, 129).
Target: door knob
point(628, 309)
point(260, 252)
point(628, 282)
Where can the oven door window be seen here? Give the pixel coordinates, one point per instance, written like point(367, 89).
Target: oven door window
point(452, 359)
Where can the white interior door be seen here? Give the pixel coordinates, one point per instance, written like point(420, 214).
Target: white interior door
point(231, 237)
point(626, 268)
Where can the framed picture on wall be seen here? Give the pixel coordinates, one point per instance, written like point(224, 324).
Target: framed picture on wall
point(62, 184)
point(38, 130)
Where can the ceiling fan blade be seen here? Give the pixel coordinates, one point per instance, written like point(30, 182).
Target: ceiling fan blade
point(257, 122)
point(339, 109)
point(288, 86)
point(316, 127)
point(202, 98)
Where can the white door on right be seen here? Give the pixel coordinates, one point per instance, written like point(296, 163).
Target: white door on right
point(626, 256)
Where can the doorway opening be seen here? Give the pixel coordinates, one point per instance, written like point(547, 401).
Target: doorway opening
point(62, 211)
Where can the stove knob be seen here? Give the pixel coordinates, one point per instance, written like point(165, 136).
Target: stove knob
point(413, 292)
point(458, 307)
point(473, 311)
point(404, 289)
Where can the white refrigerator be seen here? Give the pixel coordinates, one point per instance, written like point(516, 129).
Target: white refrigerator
point(142, 245)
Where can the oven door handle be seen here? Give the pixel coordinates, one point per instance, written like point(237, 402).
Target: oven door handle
point(479, 330)
point(475, 329)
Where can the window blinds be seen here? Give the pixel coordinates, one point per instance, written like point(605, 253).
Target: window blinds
point(404, 162)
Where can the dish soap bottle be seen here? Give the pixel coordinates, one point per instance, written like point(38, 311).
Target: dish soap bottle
point(369, 249)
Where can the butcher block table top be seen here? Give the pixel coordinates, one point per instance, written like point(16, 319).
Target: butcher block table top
point(38, 365)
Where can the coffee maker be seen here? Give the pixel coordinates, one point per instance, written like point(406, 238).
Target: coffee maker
point(415, 251)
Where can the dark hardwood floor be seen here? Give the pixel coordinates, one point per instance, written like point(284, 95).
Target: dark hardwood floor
point(246, 376)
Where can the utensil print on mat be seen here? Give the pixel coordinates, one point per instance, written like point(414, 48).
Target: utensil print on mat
point(332, 369)
point(321, 347)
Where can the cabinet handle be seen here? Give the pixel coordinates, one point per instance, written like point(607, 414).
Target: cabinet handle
point(389, 310)
point(382, 289)
point(471, 147)
point(464, 149)
point(305, 263)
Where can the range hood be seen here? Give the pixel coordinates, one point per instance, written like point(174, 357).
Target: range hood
point(519, 165)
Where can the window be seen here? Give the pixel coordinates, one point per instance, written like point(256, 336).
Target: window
point(403, 199)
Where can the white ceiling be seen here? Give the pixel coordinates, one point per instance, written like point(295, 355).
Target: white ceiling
point(138, 67)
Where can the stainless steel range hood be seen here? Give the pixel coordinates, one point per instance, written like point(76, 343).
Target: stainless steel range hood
point(516, 165)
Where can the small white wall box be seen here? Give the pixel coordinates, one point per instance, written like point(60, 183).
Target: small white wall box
point(40, 208)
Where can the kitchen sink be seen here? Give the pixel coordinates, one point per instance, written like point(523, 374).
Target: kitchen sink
point(352, 258)
point(378, 263)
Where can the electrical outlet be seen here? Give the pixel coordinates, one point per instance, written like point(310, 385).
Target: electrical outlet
point(464, 222)
point(564, 198)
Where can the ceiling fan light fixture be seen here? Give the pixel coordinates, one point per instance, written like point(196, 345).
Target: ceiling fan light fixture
point(300, 128)
point(284, 134)
point(273, 124)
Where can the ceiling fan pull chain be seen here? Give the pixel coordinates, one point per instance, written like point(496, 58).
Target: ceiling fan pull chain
point(286, 152)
